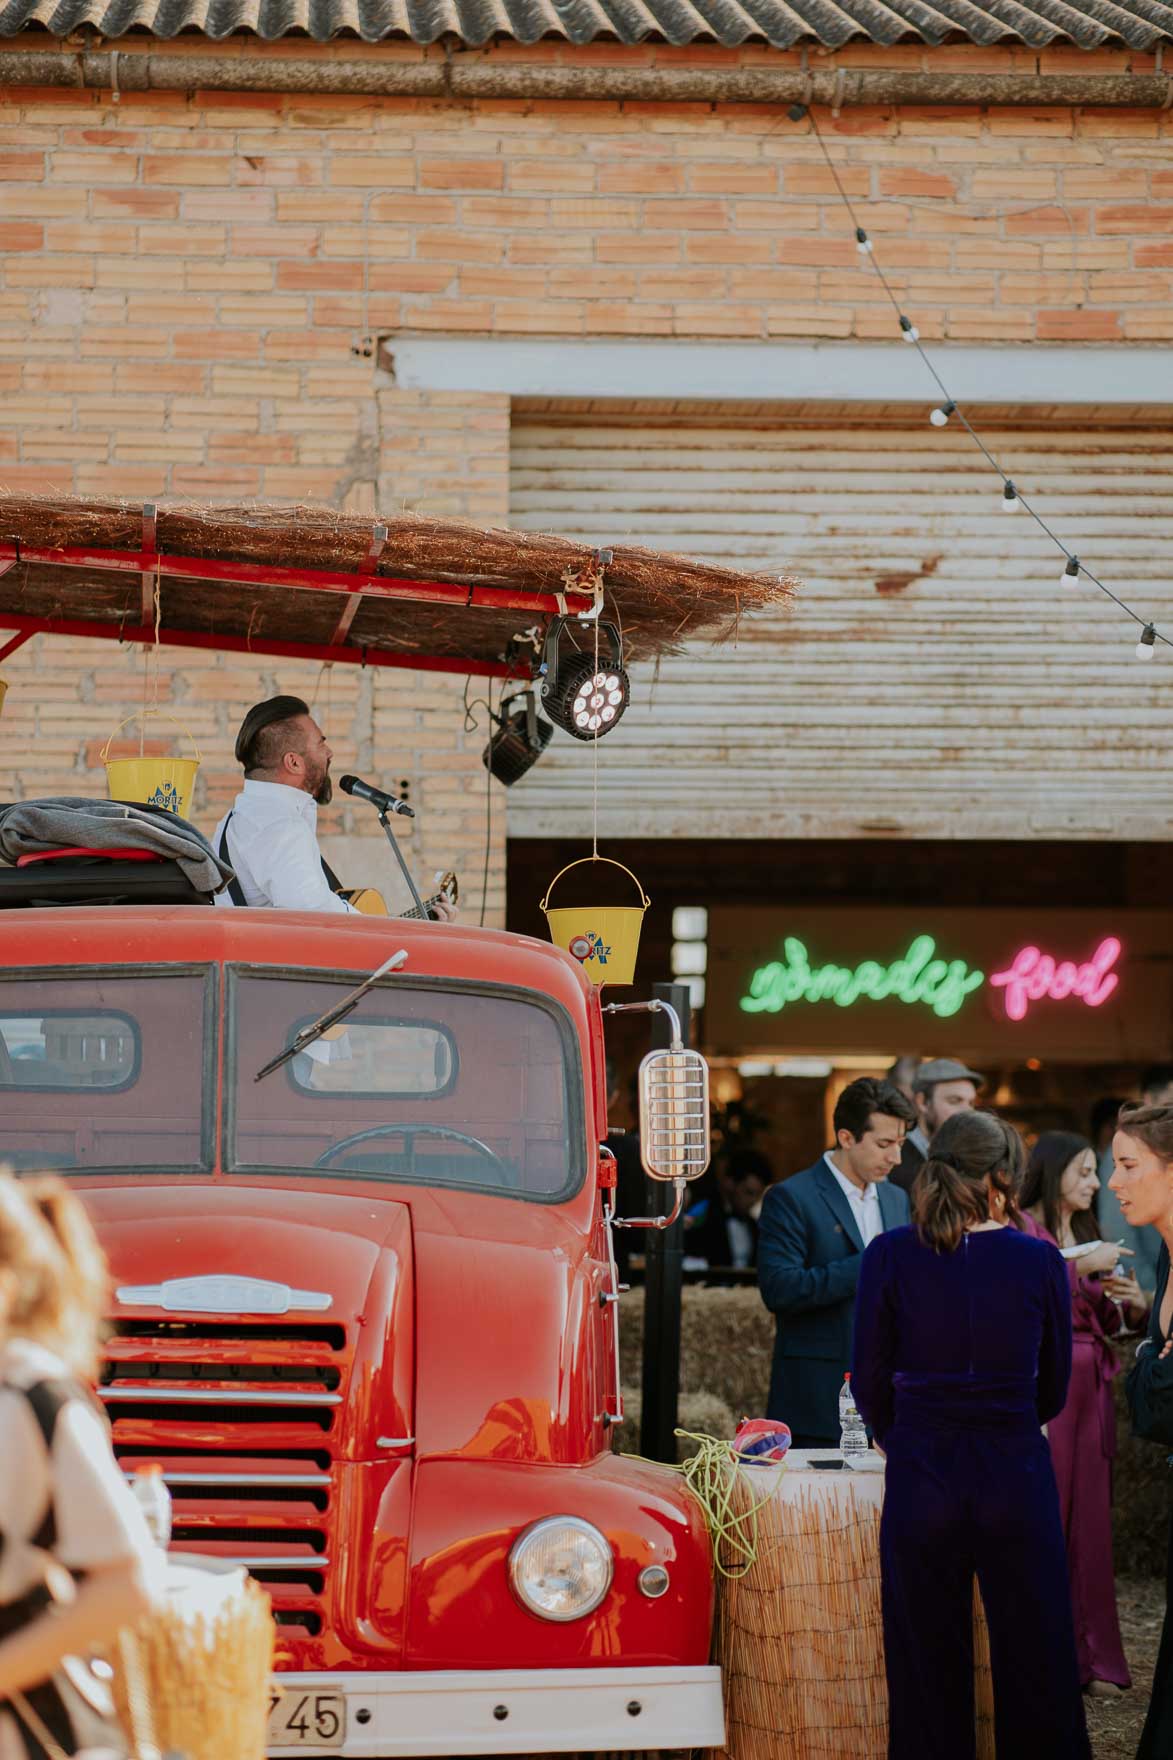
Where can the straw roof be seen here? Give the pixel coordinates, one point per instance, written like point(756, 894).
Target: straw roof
point(407, 589)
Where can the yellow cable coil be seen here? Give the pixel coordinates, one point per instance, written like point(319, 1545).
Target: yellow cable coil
point(711, 1475)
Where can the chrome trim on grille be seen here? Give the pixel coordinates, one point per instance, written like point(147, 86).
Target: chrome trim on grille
point(157, 1393)
point(271, 1564)
point(274, 1481)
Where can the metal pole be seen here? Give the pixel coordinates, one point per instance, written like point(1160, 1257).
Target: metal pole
point(404, 869)
point(663, 1282)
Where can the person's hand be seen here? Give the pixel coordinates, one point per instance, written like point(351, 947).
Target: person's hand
point(1125, 1289)
point(444, 912)
point(1104, 1257)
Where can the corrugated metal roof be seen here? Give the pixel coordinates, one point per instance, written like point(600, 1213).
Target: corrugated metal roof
point(1140, 24)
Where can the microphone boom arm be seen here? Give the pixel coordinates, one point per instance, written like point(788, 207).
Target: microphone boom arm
point(385, 822)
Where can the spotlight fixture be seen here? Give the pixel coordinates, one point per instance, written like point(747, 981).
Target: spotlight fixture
point(1070, 575)
point(584, 697)
point(1148, 641)
point(520, 739)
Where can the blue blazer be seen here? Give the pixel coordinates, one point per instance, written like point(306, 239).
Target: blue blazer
point(809, 1255)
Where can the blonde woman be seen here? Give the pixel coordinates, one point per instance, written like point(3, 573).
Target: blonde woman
point(75, 1555)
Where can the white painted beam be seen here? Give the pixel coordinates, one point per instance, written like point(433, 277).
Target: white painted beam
point(834, 371)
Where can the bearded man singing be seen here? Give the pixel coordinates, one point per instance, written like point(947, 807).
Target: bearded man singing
point(270, 837)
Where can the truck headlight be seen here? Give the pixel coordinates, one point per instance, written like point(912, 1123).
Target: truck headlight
point(561, 1568)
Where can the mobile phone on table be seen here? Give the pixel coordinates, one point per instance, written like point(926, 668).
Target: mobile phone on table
point(828, 1466)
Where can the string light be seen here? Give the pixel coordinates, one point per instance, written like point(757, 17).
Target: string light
point(940, 415)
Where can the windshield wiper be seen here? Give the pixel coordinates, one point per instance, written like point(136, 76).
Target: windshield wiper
point(339, 1012)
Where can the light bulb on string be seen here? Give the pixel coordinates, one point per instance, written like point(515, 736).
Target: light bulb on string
point(1070, 574)
point(1148, 641)
point(863, 243)
point(940, 416)
point(909, 329)
point(1010, 502)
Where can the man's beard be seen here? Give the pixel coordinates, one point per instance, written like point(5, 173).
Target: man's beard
point(323, 792)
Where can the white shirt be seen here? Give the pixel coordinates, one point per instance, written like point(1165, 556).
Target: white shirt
point(273, 845)
point(865, 1205)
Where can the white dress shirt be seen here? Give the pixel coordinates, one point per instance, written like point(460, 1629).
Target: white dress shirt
point(273, 845)
point(865, 1205)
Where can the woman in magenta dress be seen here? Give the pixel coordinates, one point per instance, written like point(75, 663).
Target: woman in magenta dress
point(1057, 1201)
point(962, 1352)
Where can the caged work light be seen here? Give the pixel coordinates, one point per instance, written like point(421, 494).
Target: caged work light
point(582, 693)
point(520, 738)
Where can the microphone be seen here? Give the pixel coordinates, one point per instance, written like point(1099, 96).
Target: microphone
point(363, 791)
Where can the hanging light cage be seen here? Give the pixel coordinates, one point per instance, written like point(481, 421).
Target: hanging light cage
point(583, 695)
point(520, 738)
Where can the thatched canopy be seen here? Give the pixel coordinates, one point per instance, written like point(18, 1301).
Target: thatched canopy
point(405, 590)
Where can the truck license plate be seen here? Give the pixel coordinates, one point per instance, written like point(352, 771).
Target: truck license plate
point(307, 1720)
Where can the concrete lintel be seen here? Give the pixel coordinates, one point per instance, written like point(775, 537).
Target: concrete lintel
point(832, 371)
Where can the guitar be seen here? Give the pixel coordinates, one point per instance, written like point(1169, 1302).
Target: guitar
point(372, 903)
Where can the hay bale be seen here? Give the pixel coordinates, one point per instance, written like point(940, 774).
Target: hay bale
point(701, 1413)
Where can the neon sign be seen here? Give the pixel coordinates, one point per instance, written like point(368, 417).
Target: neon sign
point(919, 977)
point(1033, 975)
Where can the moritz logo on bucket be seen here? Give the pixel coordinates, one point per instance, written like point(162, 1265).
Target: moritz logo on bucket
point(923, 976)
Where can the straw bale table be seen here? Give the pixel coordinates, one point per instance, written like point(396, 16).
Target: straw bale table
point(800, 1636)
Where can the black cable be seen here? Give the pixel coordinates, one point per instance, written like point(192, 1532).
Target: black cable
point(796, 113)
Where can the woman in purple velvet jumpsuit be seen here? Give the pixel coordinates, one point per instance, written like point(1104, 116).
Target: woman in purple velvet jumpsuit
point(962, 1353)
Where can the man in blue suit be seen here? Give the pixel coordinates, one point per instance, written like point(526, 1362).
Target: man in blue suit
point(813, 1230)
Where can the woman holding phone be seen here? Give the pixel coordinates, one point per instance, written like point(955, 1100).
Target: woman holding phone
point(1058, 1199)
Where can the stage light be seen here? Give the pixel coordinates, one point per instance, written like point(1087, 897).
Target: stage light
point(520, 738)
point(583, 693)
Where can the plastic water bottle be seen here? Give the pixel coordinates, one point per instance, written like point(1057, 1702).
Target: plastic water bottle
point(853, 1437)
point(154, 1499)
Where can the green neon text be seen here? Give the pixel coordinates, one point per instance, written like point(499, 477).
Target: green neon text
point(920, 976)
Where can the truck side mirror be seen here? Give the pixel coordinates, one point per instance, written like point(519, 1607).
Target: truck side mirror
point(674, 1114)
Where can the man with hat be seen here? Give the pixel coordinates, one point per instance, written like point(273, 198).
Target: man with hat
point(940, 1088)
point(270, 837)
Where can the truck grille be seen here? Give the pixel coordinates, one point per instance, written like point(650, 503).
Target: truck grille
point(242, 1419)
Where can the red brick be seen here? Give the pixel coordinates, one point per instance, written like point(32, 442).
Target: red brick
point(1140, 219)
point(1077, 326)
point(907, 183)
point(141, 204)
point(16, 235)
point(22, 167)
point(486, 173)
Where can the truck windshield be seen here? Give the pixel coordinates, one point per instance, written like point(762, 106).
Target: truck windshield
point(435, 1083)
point(106, 1069)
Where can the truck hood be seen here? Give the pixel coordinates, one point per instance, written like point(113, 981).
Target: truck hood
point(262, 1275)
point(322, 1248)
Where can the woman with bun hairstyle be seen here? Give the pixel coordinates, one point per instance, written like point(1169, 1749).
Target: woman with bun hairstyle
point(1058, 1198)
point(1142, 1180)
point(75, 1555)
point(962, 1353)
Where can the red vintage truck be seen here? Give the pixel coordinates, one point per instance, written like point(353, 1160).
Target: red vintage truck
point(365, 1312)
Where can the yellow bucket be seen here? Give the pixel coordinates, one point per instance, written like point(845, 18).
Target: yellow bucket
point(155, 782)
point(603, 938)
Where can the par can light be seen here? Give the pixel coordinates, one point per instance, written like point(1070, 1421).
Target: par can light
point(518, 741)
point(582, 693)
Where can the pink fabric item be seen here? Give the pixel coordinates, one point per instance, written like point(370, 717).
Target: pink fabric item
point(1083, 1445)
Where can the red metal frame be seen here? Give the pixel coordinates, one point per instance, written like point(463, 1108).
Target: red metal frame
point(363, 583)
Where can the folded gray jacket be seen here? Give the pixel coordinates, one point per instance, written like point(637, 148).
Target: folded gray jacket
point(66, 821)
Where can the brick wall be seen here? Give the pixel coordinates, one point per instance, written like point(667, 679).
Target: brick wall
point(184, 279)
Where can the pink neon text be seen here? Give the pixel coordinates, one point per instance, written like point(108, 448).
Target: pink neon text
point(1033, 975)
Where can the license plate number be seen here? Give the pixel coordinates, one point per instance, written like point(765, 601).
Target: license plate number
point(307, 1720)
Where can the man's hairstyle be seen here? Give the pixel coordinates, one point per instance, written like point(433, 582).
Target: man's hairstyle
point(265, 732)
point(1156, 1078)
point(861, 1099)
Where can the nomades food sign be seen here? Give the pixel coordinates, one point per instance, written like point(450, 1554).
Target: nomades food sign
point(921, 975)
point(1095, 985)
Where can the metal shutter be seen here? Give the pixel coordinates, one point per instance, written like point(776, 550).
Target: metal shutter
point(932, 679)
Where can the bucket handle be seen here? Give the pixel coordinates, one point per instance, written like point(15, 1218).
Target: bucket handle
point(139, 715)
point(610, 860)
